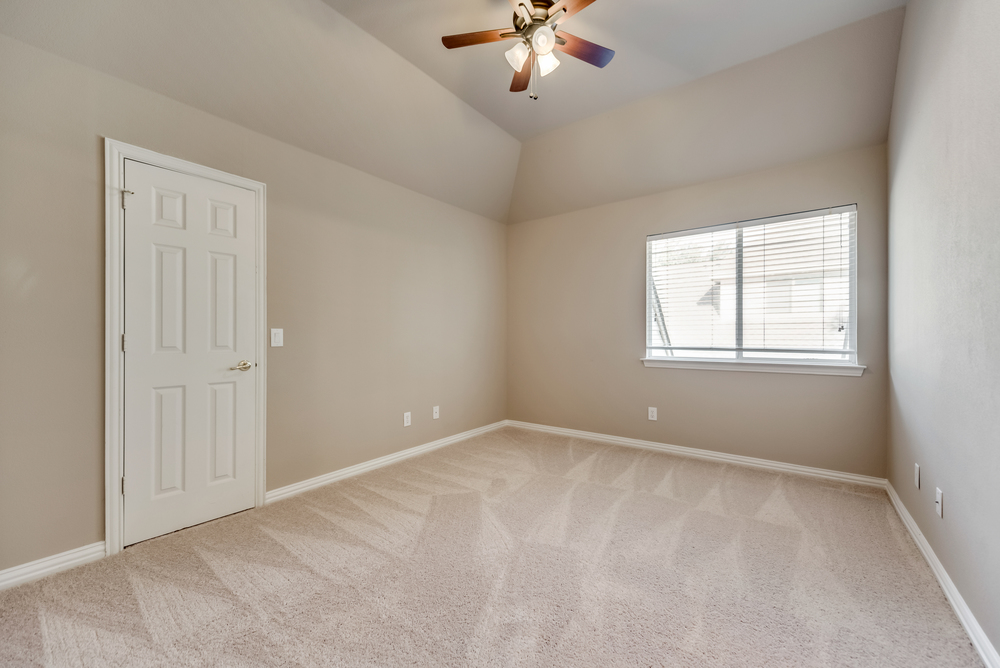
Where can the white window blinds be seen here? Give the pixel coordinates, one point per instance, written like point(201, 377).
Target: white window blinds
point(772, 289)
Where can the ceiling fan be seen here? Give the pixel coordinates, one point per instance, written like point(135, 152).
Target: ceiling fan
point(535, 30)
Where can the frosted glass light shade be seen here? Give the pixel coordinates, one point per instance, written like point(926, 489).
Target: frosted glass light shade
point(517, 55)
point(543, 41)
point(547, 63)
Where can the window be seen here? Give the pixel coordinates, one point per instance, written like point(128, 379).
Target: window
point(773, 294)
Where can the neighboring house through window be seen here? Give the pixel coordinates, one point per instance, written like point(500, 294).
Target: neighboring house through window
point(772, 294)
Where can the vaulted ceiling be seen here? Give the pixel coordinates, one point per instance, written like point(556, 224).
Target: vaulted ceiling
point(658, 44)
point(294, 70)
point(368, 83)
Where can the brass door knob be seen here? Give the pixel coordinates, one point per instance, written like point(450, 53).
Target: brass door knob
point(244, 365)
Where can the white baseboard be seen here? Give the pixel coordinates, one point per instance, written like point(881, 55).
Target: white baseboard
point(710, 455)
point(965, 616)
point(39, 568)
point(327, 478)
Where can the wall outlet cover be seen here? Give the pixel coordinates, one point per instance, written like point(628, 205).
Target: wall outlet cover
point(437, 412)
point(406, 419)
point(652, 413)
point(916, 475)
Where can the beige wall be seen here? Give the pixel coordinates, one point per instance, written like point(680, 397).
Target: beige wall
point(576, 318)
point(827, 94)
point(944, 315)
point(391, 301)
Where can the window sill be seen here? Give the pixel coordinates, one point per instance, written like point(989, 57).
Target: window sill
point(759, 367)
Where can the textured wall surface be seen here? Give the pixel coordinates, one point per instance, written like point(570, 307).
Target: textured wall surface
point(576, 318)
point(944, 310)
point(390, 301)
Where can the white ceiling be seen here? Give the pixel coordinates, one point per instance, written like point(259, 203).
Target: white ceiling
point(659, 44)
point(826, 95)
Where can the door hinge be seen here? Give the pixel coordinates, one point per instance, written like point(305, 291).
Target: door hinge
point(125, 192)
point(124, 346)
point(123, 485)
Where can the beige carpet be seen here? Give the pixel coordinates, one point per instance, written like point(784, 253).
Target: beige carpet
point(513, 549)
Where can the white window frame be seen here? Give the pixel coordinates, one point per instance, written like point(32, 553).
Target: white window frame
point(800, 366)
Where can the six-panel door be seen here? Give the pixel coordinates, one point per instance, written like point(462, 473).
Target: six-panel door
point(189, 318)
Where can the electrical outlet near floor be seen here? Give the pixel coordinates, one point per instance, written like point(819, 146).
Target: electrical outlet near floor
point(437, 412)
point(916, 475)
point(406, 419)
point(939, 503)
point(652, 413)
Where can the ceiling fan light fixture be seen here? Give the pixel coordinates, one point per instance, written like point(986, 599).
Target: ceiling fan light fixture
point(517, 55)
point(547, 63)
point(534, 29)
point(543, 40)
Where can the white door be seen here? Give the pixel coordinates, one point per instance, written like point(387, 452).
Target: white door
point(189, 319)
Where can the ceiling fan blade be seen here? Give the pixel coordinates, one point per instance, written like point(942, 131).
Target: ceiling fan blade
point(523, 8)
point(586, 51)
point(473, 38)
point(571, 7)
point(522, 78)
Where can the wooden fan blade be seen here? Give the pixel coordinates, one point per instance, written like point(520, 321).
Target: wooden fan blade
point(525, 13)
point(522, 78)
point(571, 7)
point(473, 38)
point(586, 51)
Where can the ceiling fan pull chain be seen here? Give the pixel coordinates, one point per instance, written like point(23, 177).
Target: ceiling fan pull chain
point(531, 77)
point(534, 76)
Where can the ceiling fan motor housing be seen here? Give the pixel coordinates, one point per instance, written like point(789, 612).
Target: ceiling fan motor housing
point(540, 13)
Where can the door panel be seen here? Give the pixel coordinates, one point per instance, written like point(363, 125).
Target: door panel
point(222, 302)
point(222, 430)
point(169, 299)
point(190, 302)
point(168, 439)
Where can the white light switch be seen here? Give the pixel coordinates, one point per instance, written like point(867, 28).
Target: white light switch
point(277, 338)
point(437, 412)
point(939, 502)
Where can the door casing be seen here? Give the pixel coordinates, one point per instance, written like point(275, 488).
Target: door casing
point(115, 154)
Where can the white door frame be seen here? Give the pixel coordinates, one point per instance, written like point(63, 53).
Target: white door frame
point(115, 154)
